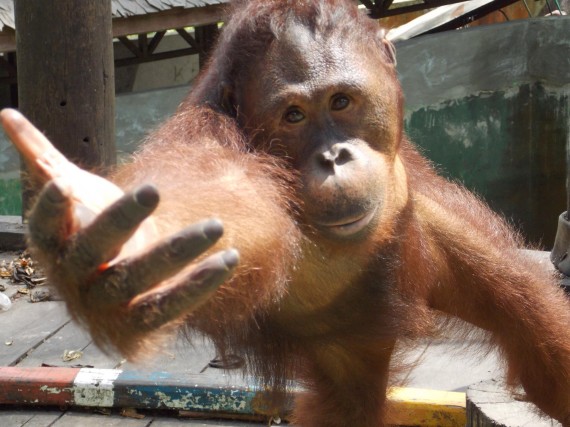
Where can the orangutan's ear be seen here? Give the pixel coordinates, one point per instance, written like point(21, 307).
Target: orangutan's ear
point(389, 49)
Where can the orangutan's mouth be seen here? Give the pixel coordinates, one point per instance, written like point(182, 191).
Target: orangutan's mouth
point(349, 226)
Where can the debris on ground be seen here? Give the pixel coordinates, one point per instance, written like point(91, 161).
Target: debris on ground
point(5, 302)
point(69, 355)
point(132, 413)
point(39, 295)
point(23, 271)
point(75, 366)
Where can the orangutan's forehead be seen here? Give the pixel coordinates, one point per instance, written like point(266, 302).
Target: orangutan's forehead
point(300, 55)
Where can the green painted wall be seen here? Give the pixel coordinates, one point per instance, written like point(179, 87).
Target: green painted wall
point(10, 198)
point(507, 146)
point(490, 105)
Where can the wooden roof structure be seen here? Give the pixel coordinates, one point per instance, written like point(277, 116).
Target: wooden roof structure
point(142, 17)
point(134, 17)
point(140, 25)
point(146, 16)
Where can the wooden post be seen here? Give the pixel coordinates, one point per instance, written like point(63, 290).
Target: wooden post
point(66, 76)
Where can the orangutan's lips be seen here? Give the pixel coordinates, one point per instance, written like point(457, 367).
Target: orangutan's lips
point(351, 226)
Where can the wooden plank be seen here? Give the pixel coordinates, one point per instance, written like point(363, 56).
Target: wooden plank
point(27, 417)
point(110, 388)
point(195, 393)
point(70, 337)
point(41, 386)
point(26, 325)
point(93, 356)
point(178, 356)
point(77, 417)
point(87, 419)
point(169, 422)
point(158, 390)
point(167, 20)
point(433, 19)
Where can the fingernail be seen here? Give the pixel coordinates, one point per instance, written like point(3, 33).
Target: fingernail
point(231, 258)
point(7, 112)
point(213, 229)
point(147, 196)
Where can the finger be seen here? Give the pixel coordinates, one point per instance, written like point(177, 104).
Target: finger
point(165, 304)
point(128, 278)
point(50, 221)
point(103, 238)
point(42, 157)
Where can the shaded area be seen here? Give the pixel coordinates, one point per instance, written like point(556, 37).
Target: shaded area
point(507, 146)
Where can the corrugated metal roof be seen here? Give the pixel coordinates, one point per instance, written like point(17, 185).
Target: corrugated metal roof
point(120, 8)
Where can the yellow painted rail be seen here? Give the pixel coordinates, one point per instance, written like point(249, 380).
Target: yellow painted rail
point(422, 407)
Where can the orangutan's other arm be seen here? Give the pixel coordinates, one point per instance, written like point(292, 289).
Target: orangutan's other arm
point(504, 290)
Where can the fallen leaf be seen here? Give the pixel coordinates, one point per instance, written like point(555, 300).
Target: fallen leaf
point(69, 355)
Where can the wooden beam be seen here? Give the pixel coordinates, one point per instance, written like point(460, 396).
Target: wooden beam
point(169, 19)
point(188, 38)
point(155, 57)
point(368, 4)
point(160, 21)
point(7, 40)
point(156, 39)
point(110, 388)
point(133, 48)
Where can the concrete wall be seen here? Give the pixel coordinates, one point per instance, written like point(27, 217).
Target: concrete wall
point(156, 75)
point(136, 114)
point(491, 106)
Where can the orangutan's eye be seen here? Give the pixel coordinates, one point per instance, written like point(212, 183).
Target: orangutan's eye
point(339, 102)
point(294, 115)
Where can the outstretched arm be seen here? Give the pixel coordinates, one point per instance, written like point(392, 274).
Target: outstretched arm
point(106, 249)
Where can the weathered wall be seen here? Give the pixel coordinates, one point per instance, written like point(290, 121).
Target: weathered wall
point(491, 106)
point(508, 146)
